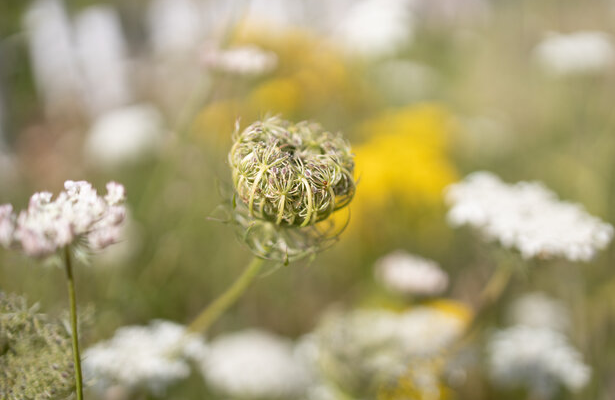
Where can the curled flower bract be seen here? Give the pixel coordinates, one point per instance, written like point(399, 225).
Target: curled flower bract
point(291, 174)
point(78, 212)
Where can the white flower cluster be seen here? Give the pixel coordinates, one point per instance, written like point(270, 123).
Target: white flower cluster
point(404, 273)
point(526, 216)
point(255, 364)
point(240, 60)
point(370, 343)
point(539, 311)
point(576, 53)
point(538, 358)
point(375, 27)
point(124, 135)
point(150, 357)
point(78, 212)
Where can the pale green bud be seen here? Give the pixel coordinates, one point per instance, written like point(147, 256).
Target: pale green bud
point(288, 179)
point(291, 174)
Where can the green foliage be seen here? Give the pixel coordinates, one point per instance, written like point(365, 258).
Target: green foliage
point(35, 353)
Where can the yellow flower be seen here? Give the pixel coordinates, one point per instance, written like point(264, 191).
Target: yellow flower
point(402, 165)
point(453, 308)
point(280, 95)
point(311, 81)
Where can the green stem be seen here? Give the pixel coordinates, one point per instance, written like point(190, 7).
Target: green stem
point(73, 323)
point(491, 293)
point(495, 286)
point(210, 314)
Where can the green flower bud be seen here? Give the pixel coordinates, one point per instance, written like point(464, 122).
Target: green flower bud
point(288, 179)
point(291, 174)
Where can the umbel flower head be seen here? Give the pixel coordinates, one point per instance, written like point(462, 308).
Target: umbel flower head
point(289, 175)
point(151, 357)
point(527, 216)
point(35, 353)
point(77, 213)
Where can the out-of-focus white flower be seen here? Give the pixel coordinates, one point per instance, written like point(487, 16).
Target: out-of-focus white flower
point(7, 226)
point(526, 216)
point(102, 55)
point(150, 357)
point(124, 135)
point(405, 273)
point(380, 343)
point(539, 311)
point(576, 53)
point(54, 63)
point(78, 212)
point(376, 27)
point(240, 60)
point(176, 26)
point(538, 358)
point(255, 364)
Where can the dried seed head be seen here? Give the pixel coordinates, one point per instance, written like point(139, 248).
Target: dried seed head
point(291, 174)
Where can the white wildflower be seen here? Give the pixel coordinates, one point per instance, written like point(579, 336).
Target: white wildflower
point(404, 273)
point(150, 357)
point(53, 59)
point(576, 53)
point(255, 364)
point(426, 331)
point(241, 60)
point(526, 216)
point(376, 27)
point(538, 358)
point(176, 27)
point(7, 225)
point(379, 343)
point(78, 212)
point(102, 53)
point(539, 311)
point(124, 135)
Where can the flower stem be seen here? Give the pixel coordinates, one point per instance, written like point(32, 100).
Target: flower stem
point(212, 312)
point(73, 323)
point(491, 293)
point(495, 286)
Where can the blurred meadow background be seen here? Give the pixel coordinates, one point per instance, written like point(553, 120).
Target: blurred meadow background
point(147, 93)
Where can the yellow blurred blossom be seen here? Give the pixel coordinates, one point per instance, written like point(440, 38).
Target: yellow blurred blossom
point(280, 95)
point(403, 162)
point(311, 81)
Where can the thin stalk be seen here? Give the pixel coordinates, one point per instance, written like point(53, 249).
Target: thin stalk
point(210, 314)
point(491, 293)
point(495, 286)
point(73, 323)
